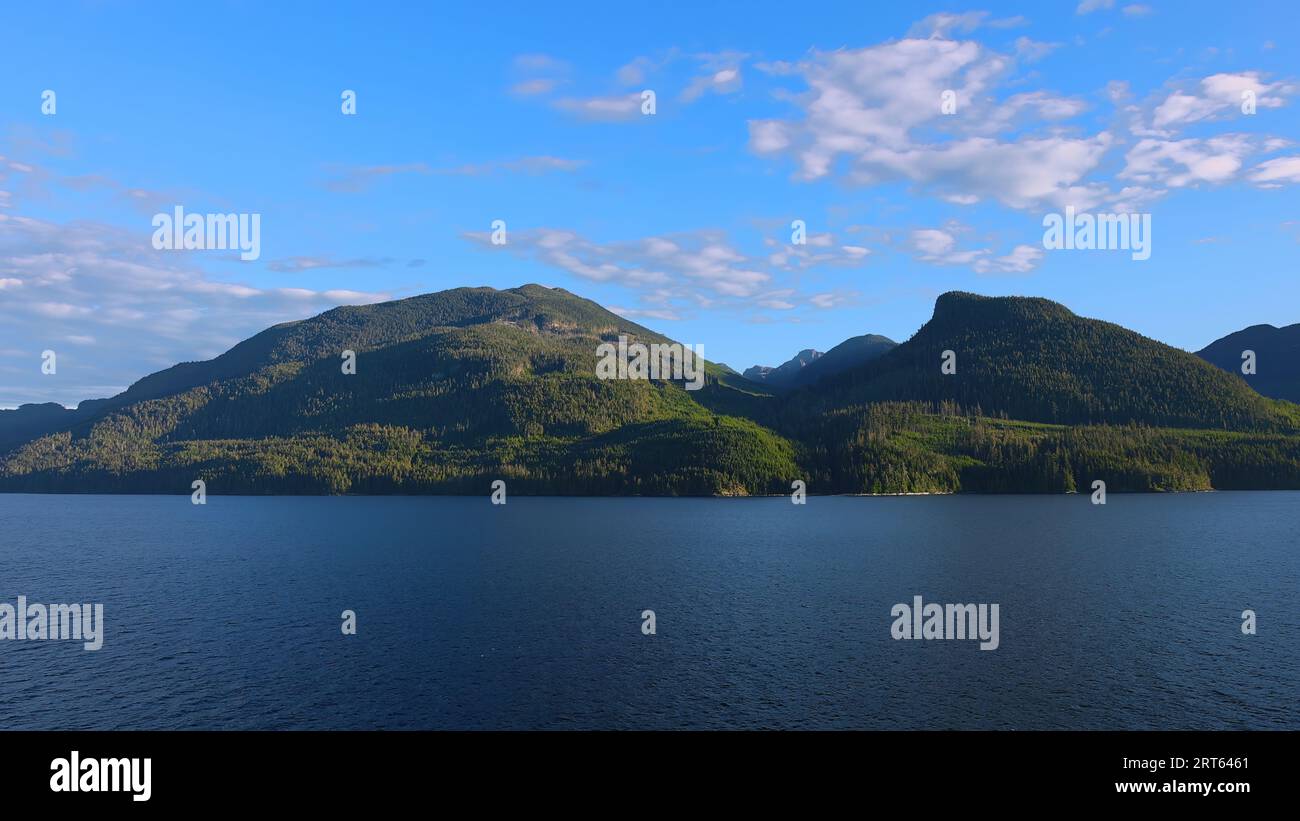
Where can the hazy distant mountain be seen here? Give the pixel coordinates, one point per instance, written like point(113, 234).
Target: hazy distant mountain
point(455, 389)
point(784, 375)
point(850, 353)
point(1277, 358)
point(809, 366)
point(30, 421)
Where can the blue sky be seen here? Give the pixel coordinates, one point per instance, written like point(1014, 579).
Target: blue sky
point(765, 113)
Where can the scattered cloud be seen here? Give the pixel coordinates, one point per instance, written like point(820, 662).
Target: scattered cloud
point(634, 73)
point(102, 288)
point(945, 24)
point(1031, 51)
point(700, 260)
point(941, 246)
point(831, 299)
point(540, 63)
point(677, 273)
point(359, 178)
point(534, 86)
point(1272, 172)
point(524, 165)
point(140, 200)
point(609, 108)
point(1218, 95)
point(1021, 260)
point(538, 74)
point(299, 264)
point(1179, 163)
point(722, 75)
point(645, 313)
point(352, 180)
point(1089, 6)
point(864, 109)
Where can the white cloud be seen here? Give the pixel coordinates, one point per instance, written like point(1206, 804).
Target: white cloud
point(1021, 260)
point(1031, 51)
point(684, 271)
point(539, 63)
point(700, 260)
point(1089, 6)
point(539, 74)
point(358, 178)
point(944, 24)
point(309, 263)
point(828, 300)
point(645, 313)
point(864, 108)
point(933, 243)
point(722, 75)
point(1178, 163)
point(634, 72)
point(1272, 172)
point(608, 108)
point(524, 165)
point(533, 87)
point(1024, 174)
point(723, 81)
point(820, 250)
point(940, 246)
point(130, 309)
point(1219, 94)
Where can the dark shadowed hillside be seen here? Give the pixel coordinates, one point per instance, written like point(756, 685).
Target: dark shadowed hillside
point(809, 366)
point(785, 374)
point(1277, 358)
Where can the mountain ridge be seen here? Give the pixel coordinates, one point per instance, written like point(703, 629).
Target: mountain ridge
point(784, 374)
point(1093, 371)
point(810, 365)
point(461, 387)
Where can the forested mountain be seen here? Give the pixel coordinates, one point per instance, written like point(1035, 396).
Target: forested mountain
point(450, 389)
point(455, 389)
point(1032, 359)
point(1277, 358)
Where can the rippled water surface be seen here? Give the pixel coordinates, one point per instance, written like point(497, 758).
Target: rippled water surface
point(768, 614)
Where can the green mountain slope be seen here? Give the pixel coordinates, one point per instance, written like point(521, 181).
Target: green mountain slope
point(1033, 359)
point(451, 391)
point(456, 389)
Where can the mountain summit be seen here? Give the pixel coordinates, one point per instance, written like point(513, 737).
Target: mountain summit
point(1034, 359)
point(809, 366)
point(785, 374)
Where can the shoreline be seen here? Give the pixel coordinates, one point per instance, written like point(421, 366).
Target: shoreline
point(637, 496)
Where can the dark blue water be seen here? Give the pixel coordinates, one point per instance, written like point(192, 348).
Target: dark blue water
point(768, 614)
